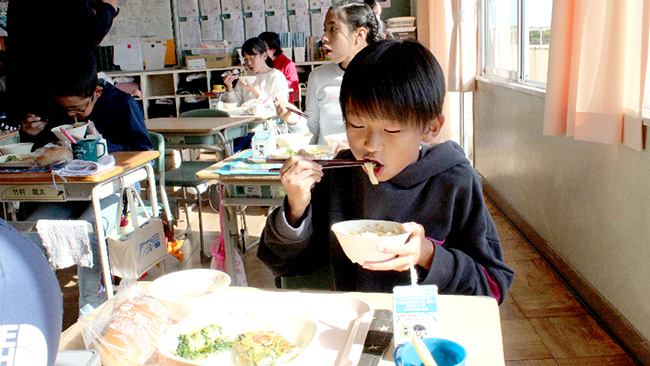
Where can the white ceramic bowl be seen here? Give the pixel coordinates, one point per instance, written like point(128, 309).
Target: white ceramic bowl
point(17, 148)
point(336, 138)
point(248, 80)
point(296, 329)
point(79, 131)
point(360, 238)
point(296, 141)
point(188, 291)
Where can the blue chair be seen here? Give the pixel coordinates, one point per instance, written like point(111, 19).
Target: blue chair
point(205, 113)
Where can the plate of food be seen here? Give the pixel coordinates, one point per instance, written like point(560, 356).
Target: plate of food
point(237, 337)
point(317, 151)
point(26, 160)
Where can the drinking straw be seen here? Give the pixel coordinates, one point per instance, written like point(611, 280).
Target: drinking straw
point(414, 275)
point(68, 136)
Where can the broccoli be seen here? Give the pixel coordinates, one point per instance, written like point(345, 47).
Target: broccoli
point(202, 343)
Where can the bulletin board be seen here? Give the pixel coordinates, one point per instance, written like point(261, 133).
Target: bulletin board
point(239, 20)
point(145, 25)
point(179, 26)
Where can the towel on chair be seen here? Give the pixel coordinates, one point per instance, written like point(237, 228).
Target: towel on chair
point(66, 242)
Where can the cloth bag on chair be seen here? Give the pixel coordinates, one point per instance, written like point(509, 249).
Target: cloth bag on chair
point(218, 251)
point(134, 249)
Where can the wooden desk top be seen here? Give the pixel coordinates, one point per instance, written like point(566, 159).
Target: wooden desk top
point(124, 160)
point(195, 125)
point(472, 321)
point(208, 173)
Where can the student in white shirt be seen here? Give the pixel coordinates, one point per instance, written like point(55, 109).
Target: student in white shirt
point(349, 26)
point(268, 80)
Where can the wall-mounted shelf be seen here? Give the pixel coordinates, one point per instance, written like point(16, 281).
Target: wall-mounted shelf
point(160, 89)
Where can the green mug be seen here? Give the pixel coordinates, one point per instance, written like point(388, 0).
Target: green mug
point(88, 150)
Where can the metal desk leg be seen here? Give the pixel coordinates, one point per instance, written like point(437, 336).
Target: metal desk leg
point(101, 239)
point(125, 181)
point(229, 234)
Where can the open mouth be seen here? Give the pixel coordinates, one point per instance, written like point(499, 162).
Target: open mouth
point(373, 169)
point(327, 51)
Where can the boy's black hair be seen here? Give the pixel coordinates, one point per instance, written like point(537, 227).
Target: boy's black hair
point(74, 78)
point(255, 46)
point(394, 80)
point(356, 14)
point(272, 40)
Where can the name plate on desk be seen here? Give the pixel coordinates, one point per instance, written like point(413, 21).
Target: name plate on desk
point(32, 192)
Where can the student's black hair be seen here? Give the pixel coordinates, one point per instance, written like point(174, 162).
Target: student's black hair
point(394, 80)
point(272, 41)
point(372, 4)
point(356, 14)
point(255, 46)
point(76, 77)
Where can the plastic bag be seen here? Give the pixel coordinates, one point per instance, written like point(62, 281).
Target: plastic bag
point(218, 251)
point(128, 329)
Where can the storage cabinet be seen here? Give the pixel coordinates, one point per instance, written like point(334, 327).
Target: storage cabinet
point(168, 93)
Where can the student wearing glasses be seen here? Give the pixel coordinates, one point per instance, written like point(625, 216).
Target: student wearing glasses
point(78, 95)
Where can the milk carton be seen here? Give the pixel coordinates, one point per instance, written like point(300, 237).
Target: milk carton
point(263, 144)
point(415, 311)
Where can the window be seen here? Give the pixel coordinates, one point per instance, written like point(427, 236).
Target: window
point(516, 36)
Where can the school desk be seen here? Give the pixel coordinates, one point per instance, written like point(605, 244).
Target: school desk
point(130, 167)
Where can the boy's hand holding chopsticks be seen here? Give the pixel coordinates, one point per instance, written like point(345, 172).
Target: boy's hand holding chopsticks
point(298, 174)
point(33, 125)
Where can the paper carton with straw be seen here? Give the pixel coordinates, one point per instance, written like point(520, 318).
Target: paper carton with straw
point(415, 311)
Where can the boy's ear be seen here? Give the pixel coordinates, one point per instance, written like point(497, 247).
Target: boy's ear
point(98, 91)
point(433, 129)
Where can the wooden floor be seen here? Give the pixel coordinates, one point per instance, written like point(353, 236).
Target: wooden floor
point(542, 322)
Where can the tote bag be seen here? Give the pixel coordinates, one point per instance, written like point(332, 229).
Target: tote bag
point(135, 248)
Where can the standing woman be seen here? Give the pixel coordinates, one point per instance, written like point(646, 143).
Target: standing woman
point(267, 79)
point(349, 27)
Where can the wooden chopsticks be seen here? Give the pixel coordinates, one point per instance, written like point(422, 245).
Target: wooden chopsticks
point(297, 112)
point(325, 163)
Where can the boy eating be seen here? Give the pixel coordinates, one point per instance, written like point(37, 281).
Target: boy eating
point(391, 98)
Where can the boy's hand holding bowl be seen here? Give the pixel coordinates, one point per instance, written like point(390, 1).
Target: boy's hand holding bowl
point(381, 252)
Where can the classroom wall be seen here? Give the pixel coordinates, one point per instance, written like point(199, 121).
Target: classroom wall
point(398, 8)
point(589, 201)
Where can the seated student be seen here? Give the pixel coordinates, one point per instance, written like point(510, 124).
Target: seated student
point(281, 62)
point(268, 80)
point(78, 95)
point(376, 8)
point(433, 191)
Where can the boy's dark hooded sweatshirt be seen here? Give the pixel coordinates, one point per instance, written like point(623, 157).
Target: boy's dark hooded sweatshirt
point(441, 191)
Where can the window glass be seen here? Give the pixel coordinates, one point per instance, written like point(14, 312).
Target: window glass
point(502, 43)
point(537, 28)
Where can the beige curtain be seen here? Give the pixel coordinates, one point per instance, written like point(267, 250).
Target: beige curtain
point(462, 48)
point(596, 75)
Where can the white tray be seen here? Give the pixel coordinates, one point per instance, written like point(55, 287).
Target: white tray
point(342, 321)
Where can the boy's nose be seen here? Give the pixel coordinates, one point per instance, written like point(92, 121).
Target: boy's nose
point(372, 141)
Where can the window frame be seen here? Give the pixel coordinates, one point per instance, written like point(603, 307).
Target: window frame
point(519, 76)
